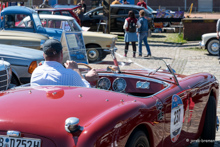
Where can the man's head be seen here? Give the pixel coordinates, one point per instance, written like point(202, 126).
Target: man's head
point(141, 13)
point(82, 1)
point(53, 50)
point(141, 0)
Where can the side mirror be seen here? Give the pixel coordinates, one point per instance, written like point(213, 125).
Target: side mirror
point(90, 14)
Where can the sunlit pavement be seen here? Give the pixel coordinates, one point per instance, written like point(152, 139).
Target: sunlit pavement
point(182, 58)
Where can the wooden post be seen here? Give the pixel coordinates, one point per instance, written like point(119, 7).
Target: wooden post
point(106, 10)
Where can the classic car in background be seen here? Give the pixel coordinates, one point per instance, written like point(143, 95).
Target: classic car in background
point(24, 39)
point(98, 45)
point(23, 61)
point(118, 15)
point(129, 108)
point(210, 42)
point(12, 20)
point(5, 75)
point(61, 10)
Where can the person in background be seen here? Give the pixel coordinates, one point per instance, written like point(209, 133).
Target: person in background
point(115, 2)
point(218, 30)
point(143, 33)
point(83, 6)
point(52, 72)
point(125, 2)
point(45, 4)
point(142, 4)
point(130, 32)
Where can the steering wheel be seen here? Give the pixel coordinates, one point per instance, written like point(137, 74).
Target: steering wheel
point(85, 65)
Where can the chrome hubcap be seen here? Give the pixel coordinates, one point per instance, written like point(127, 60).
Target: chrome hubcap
point(215, 47)
point(92, 54)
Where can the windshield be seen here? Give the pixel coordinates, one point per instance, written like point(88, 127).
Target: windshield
point(37, 20)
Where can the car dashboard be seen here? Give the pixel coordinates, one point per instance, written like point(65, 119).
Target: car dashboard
point(131, 84)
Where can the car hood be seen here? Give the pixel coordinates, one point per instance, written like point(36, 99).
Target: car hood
point(15, 52)
point(47, 107)
point(23, 34)
point(100, 35)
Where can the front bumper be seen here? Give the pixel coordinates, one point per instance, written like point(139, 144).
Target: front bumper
point(108, 51)
point(202, 44)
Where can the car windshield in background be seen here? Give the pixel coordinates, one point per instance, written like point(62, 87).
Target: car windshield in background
point(66, 6)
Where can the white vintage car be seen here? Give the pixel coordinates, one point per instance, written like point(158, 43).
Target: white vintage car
point(98, 45)
point(210, 42)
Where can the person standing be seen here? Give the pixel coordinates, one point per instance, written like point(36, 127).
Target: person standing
point(45, 4)
point(143, 33)
point(125, 2)
point(142, 4)
point(130, 25)
point(83, 6)
point(218, 30)
point(115, 2)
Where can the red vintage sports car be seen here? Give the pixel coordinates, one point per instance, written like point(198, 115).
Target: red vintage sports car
point(132, 108)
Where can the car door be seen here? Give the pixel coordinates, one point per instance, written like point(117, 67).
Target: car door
point(176, 104)
point(118, 16)
point(93, 19)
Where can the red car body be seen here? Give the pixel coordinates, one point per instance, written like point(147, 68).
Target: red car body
point(111, 118)
point(60, 11)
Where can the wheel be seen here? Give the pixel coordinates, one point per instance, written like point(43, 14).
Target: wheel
point(14, 80)
point(209, 128)
point(138, 139)
point(213, 47)
point(93, 53)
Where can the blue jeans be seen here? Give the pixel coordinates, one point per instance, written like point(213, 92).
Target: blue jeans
point(143, 37)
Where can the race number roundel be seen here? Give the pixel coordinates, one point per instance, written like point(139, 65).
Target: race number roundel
point(176, 122)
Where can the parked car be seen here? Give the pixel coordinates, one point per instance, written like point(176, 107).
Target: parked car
point(5, 74)
point(98, 45)
point(61, 11)
point(210, 42)
point(128, 108)
point(23, 61)
point(11, 19)
point(118, 15)
point(24, 39)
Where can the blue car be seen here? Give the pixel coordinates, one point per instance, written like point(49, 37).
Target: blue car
point(12, 20)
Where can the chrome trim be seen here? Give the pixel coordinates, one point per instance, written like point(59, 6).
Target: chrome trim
point(14, 133)
point(140, 78)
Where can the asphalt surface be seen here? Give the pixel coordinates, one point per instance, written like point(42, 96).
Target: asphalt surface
point(185, 59)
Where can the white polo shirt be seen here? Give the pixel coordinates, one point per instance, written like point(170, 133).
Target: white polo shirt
point(54, 73)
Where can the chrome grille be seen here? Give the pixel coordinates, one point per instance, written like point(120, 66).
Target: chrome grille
point(3, 80)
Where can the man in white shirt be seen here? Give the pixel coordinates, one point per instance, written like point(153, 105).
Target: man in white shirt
point(52, 72)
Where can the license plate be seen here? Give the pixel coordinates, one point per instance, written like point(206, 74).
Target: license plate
point(6, 141)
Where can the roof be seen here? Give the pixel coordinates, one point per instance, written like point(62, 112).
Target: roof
point(17, 10)
point(57, 17)
point(54, 9)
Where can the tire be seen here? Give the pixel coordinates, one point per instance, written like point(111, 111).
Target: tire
point(209, 128)
point(14, 80)
point(138, 139)
point(94, 53)
point(213, 47)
